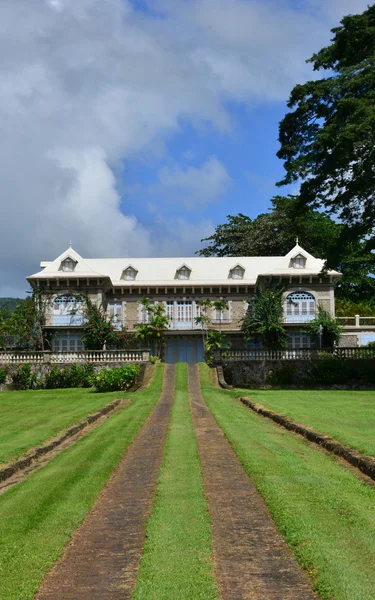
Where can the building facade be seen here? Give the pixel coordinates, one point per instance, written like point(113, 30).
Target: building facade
point(181, 284)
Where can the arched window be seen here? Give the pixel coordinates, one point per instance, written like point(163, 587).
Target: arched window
point(299, 307)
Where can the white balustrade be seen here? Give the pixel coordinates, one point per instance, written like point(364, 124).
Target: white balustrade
point(77, 356)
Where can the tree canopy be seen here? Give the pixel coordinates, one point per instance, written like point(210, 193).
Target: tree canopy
point(328, 137)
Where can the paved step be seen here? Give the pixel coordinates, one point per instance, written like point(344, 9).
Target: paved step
point(101, 562)
point(252, 561)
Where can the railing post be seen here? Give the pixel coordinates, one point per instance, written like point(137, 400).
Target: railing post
point(47, 357)
point(357, 320)
point(145, 355)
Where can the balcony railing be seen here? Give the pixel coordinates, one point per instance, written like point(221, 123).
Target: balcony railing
point(357, 321)
point(297, 354)
point(67, 320)
point(299, 318)
point(78, 356)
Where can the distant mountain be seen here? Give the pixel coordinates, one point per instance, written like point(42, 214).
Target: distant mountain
point(9, 303)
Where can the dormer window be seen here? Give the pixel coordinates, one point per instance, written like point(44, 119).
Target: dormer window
point(237, 272)
point(68, 265)
point(183, 272)
point(298, 262)
point(129, 274)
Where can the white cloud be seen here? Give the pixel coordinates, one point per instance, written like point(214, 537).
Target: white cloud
point(195, 186)
point(87, 84)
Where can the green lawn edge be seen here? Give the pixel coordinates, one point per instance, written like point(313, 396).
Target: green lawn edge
point(346, 415)
point(30, 418)
point(177, 558)
point(39, 516)
point(324, 512)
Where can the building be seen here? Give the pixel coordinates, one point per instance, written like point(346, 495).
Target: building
point(181, 284)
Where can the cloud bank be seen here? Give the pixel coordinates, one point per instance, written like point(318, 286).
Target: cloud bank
point(87, 85)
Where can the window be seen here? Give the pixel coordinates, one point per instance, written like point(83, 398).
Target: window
point(129, 274)
point(221, 314)
point(299, 307)
point(68, 265)
point(144, 315)
point(169, 311)
point(115, 313)
point(183, 273)
point(298, 340)
point(67, 343)
point(237, 272)
point(299, 262)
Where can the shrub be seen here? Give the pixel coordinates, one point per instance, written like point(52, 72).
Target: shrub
point(3, 373)
point(75, 376)
point(113, 380)
point(24, 378)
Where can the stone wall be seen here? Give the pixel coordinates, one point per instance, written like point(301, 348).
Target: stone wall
point(332, 372)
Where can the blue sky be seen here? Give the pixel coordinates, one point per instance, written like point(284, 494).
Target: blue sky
point(134, 127)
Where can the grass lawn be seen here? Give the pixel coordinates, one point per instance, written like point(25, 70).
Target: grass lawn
point(176, 563)
point(31, 417)
point(38, 516)
point(348, 416)
point(325, 513)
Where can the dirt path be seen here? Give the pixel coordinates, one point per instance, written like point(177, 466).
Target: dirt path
point(252, 561)
point(101, 562)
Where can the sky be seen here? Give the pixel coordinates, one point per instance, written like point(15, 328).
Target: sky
point(134, 127)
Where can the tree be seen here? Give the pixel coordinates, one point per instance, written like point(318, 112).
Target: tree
point(154, 329)
point(100, 332)
point(215, 340)
point(325, 327)
point(328, 137)
point(274, 233)
point(264, 317)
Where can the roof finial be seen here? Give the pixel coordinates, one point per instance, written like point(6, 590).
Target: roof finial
point(70, 243)
point(297, 240)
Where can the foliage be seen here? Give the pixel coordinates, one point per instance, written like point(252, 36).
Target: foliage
point(215, 340)
point(328, 137)
point(153, 331)
point(370, 345)
point(347, 308)
point(100, 331)
point(154, 360)
point(264, 316)
point(74, 376)
point(9, 304)
point(23, 328)
point(113, 380)
point(3, 373)
point(23, 377)
point(326, 326)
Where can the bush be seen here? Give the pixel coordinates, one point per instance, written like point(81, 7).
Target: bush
point(113, 380)
point(3, 373)
point(76, 376)
point(24, 378)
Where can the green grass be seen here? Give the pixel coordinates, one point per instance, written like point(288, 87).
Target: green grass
point(38, 516)
point(348, 416)
point(176, 563)
point(325, 513)
point(31, 417)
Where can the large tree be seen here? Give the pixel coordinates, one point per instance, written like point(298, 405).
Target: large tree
point(328, 137)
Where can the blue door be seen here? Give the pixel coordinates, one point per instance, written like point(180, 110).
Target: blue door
point(189, 350)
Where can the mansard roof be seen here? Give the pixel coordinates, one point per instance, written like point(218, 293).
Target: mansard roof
point(162, 271)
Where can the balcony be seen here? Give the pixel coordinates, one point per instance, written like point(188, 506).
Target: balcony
point(299, 318)
point(67, 320)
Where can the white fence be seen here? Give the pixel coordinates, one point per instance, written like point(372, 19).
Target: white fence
point(79, 356)
point(297, 354)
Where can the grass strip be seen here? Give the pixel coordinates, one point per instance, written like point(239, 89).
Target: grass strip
point(38, 516)
point(31, 417)
point(346, 415)
point(177, 557)
point(324, 512)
